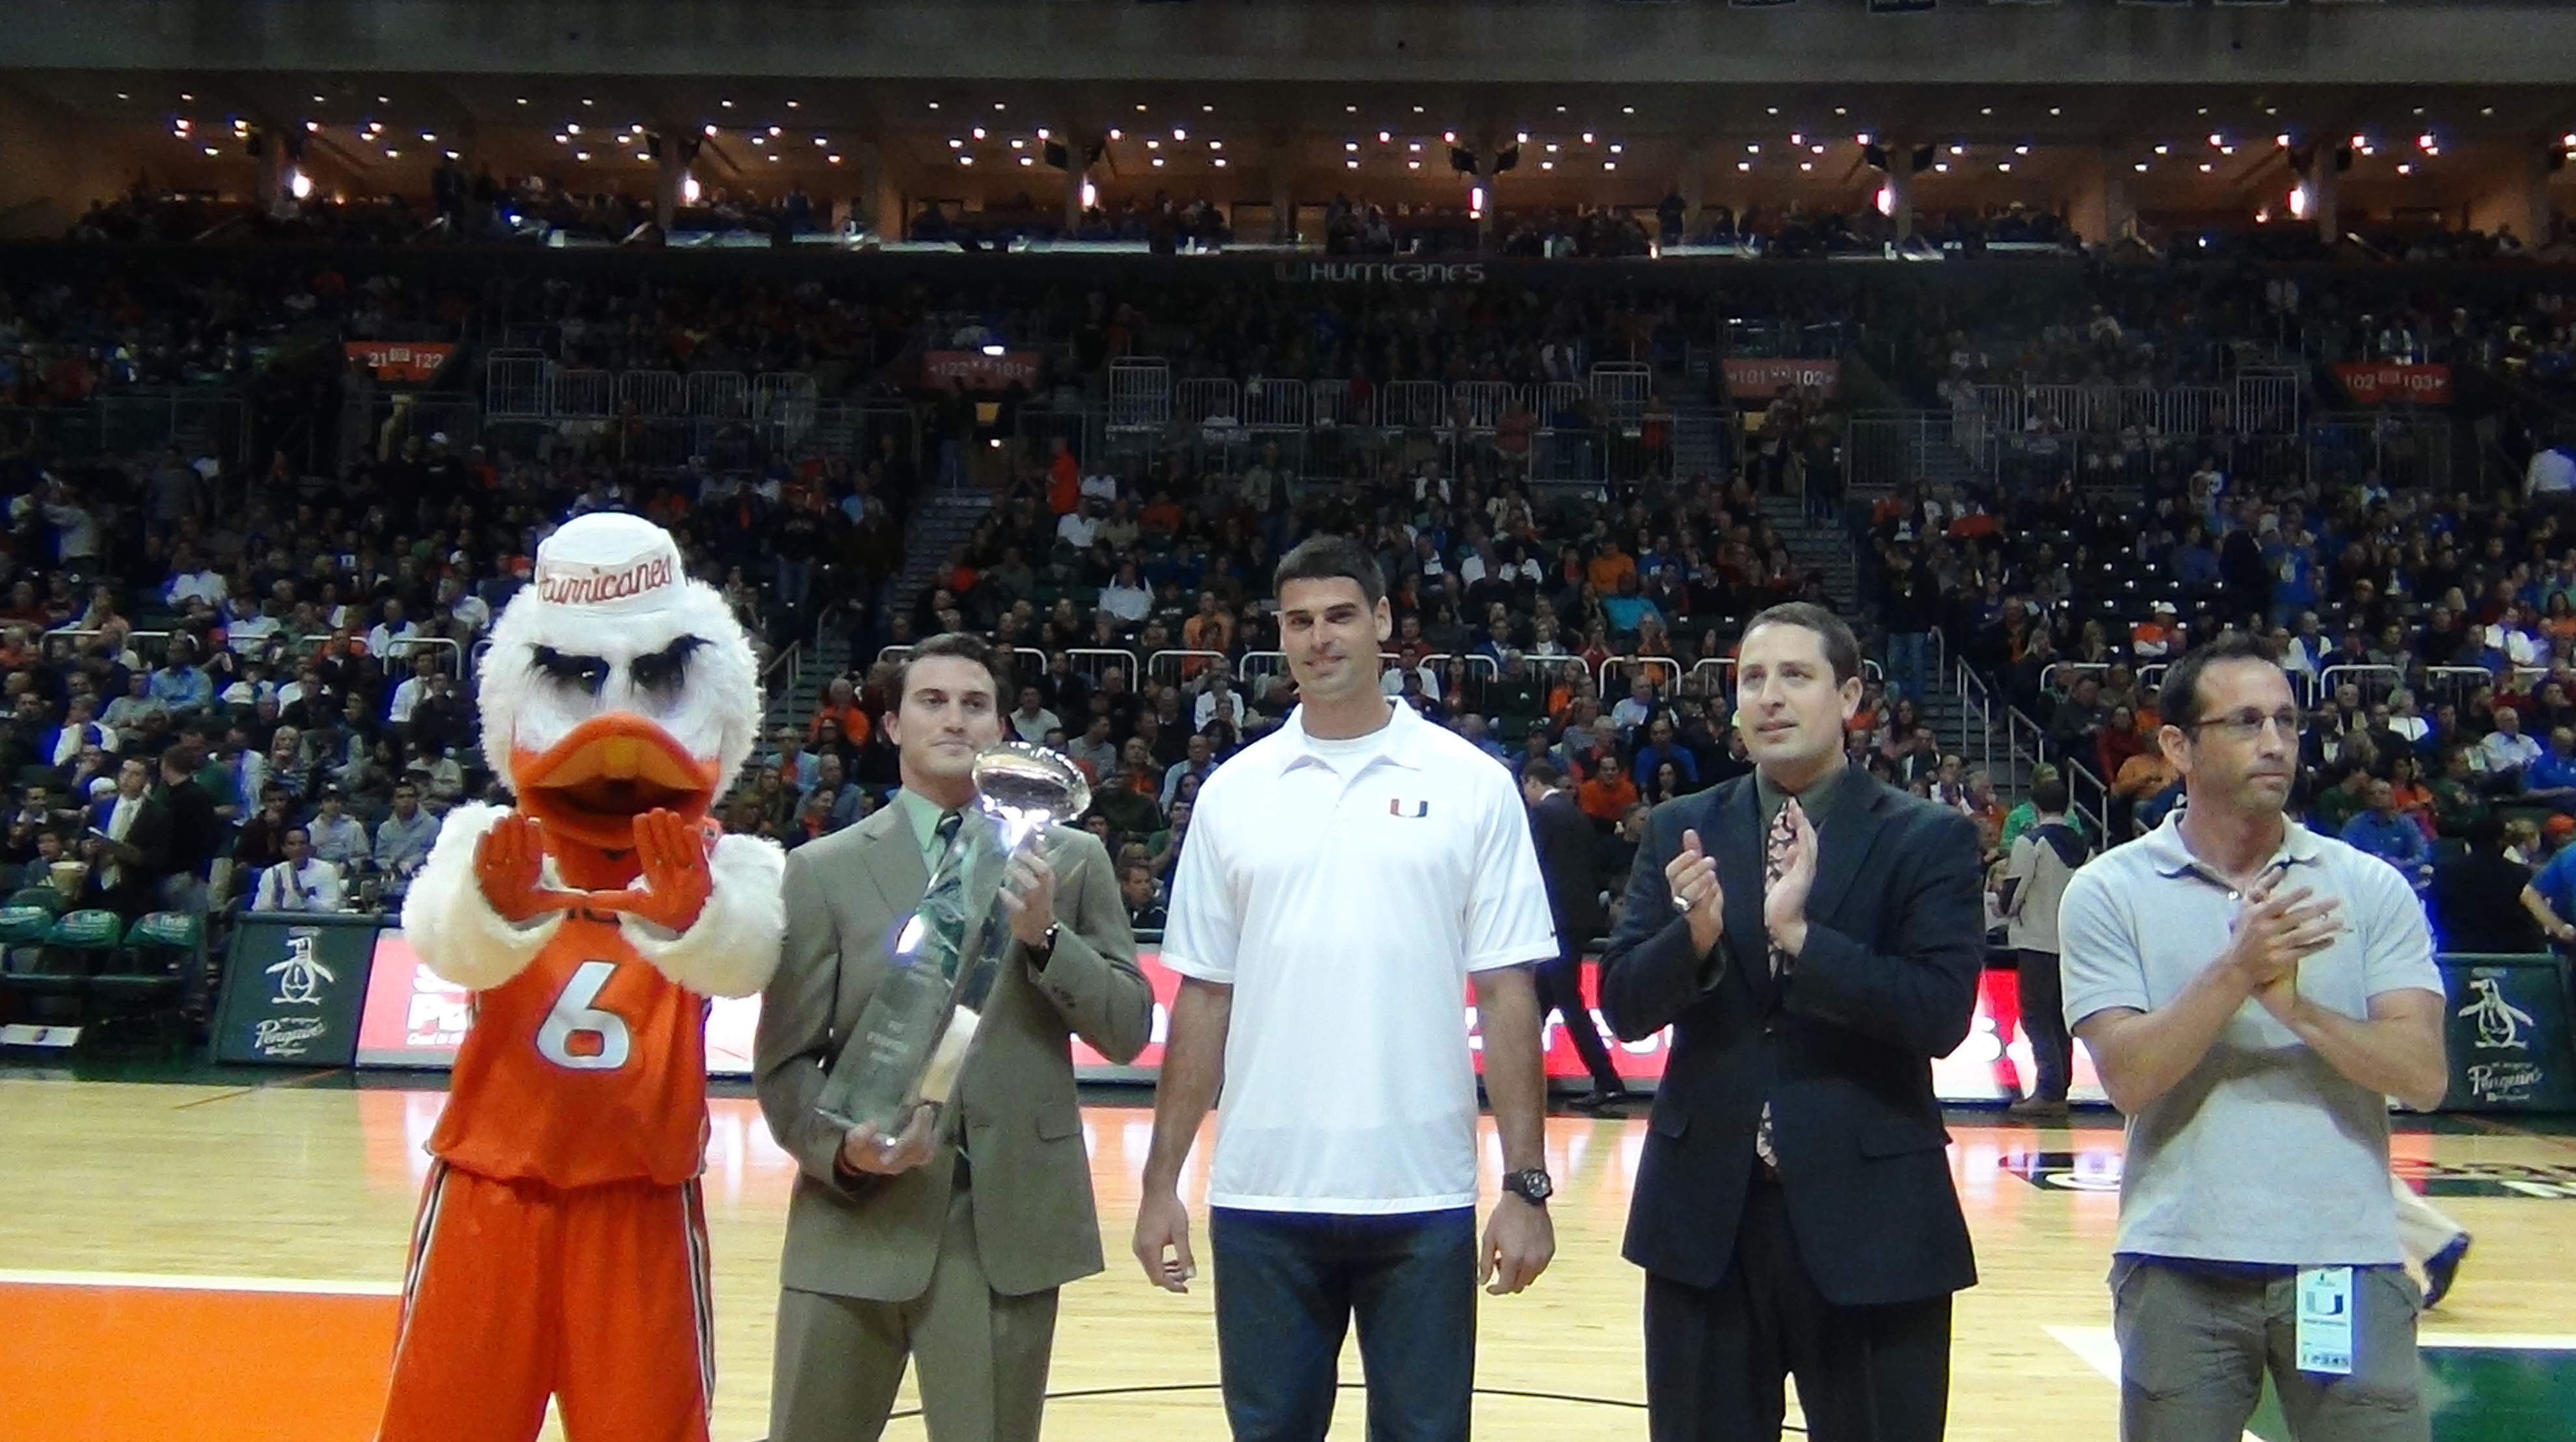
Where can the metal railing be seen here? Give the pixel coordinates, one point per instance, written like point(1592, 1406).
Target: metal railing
point(1620, 665)
point(1171, 667)
point(1093, 662)
point(2374, 682)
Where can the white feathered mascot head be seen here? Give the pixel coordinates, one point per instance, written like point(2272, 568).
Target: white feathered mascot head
point(615, 684)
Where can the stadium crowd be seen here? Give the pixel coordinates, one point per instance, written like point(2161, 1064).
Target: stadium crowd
point(212, 674)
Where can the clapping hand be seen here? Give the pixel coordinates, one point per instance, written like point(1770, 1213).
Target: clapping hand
point(1691, 878)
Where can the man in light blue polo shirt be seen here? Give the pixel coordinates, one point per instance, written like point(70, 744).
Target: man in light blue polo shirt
point(2252, 993)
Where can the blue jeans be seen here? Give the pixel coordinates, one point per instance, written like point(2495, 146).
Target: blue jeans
point(795, 583)
point(1287, 1286)
point(1908, 670)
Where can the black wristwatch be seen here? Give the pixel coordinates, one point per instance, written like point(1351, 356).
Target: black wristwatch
point(1530, 1185)
point(1044, 951)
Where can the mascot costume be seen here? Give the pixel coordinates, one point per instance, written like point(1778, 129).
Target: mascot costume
point(561, 1248)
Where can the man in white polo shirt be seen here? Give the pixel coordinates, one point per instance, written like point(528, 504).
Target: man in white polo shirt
point(2252, 993)
point(1345, 879)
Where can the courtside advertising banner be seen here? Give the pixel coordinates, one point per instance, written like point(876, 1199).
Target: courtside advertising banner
point(413, 1019)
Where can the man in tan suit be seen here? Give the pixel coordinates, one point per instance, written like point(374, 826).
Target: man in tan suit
point(946, 1244)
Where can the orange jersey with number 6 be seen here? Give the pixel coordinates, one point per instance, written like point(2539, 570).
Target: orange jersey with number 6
point(587, 1067)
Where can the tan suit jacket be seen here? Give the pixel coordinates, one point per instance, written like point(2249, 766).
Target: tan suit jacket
point(876, 1238)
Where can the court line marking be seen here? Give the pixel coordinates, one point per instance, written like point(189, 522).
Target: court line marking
point(2500, 1127)
point(170, 1282)
point(2100, 1350)
point(224, 1096)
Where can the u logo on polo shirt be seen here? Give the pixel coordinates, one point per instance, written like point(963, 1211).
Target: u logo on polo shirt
point(1409, 810)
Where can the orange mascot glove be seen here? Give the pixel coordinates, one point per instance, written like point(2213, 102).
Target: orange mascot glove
point(676, 882)
point(509, 863)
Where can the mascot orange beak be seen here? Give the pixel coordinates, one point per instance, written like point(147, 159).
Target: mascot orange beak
point(590, 786)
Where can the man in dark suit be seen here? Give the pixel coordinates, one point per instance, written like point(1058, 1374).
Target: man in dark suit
point(1814, 939)
point(1566, 845)
point(129, 844)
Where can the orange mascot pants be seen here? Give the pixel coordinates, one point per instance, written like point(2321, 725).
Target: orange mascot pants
point(597, 1295)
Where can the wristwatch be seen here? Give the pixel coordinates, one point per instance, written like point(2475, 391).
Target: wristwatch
point(1530, 1185)
point(1044, 951)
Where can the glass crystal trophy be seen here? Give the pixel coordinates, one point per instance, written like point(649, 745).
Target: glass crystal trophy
point(913, 1038)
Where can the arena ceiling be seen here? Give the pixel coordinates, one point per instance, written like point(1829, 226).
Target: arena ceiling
point(2209, 145)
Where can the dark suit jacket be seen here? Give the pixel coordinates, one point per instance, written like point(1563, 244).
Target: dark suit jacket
point(1566, 845)
point(137, 889)
point(1842, 1046)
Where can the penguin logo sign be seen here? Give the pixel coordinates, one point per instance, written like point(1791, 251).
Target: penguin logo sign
point(300, 978)
point(2500, 1022)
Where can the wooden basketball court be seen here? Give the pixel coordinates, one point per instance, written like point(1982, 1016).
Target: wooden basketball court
point(220, 1262)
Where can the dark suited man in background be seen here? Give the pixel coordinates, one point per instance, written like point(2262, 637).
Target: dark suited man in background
point(1814, 939)
point(1566, 846)
point(128, 847)
point(945, 1245)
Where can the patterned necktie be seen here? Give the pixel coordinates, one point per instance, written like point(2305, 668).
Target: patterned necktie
point(946, 831)
point(1775, 860)
point(1782, 835)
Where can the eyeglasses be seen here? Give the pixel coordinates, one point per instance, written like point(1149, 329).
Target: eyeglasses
point(2247, 725)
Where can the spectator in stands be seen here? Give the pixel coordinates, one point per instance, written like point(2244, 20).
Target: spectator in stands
point(46, 849)
point(840, 710)
point(300, 881)
point(1607, 793)
point(34, 816)
point(1121, 800)
point(80, 729)
point(1093, 751)
point(335, 836)
point(2081, 718)
point(1220, 704)
point(403, 840)
point(389, 640)
point(1661, 749)
point(1143, 896)
point(1638, 707)
point(2551, 781)
point(128, 715)
point(182, 689)
point(2507, 753)
point(2382, 831)
point(1201, 760)
point(439, 722)
point(1163, 849)
point(413, 690)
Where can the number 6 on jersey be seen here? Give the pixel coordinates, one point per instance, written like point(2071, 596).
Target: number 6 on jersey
point(565, 1037)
